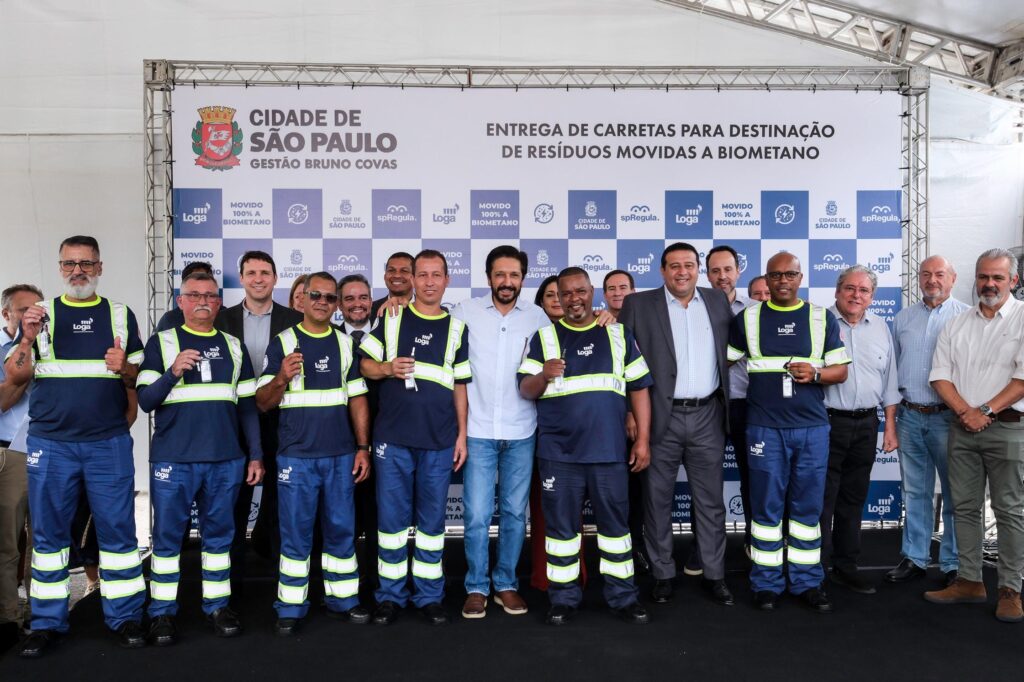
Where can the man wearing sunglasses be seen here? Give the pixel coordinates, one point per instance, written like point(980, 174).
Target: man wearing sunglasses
point(83, 351)
point(793, 349)
point(200, 384)
point(312, 374)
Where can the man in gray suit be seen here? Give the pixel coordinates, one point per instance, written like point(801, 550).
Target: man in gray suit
point(682, 330)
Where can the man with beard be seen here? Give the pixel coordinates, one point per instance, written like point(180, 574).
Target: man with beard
point(83, 350)
point(501, 431)
point(978, 371)
point(200, 384)
point(398, 280)
point(580, 374)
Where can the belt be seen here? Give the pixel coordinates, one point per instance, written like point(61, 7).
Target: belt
point(1010, 416)
point(5, 443)
point(853, 414)
point(925, 409)
point(694, 402)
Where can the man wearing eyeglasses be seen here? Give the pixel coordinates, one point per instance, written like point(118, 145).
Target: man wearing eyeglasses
point(200, 384)
point(793, 349)
point(313, 375)
point(83, 351)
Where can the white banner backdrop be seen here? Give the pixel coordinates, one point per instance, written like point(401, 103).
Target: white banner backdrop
point(339, 178)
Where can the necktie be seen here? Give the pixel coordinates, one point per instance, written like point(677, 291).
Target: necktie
point(357, 336)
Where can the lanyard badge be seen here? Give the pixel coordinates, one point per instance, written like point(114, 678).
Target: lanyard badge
point(787, 381)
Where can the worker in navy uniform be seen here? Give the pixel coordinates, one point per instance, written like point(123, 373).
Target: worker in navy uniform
point(580, 374)
point(83, 351)
point(200, 384)
point(422, 355)
point(793, 349)
point(313, 375)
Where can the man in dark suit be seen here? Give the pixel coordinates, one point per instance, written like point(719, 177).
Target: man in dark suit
point(683, 330)
point(256, 320)
point(398, 280)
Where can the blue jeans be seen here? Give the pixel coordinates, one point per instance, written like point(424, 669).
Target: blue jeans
point(923, 452)
point(512, 462)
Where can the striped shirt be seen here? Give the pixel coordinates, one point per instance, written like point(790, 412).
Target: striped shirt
point(915, 332)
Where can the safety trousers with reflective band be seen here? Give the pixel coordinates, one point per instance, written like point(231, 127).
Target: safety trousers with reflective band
point(312, 482)
point(607, 486)
point(786, 464)
point(412, 490)
point(56, 472)
point(172, 487)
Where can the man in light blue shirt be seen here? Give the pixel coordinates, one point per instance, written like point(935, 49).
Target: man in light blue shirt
point(501, 430)
point(923, 423)
point(14, 301)
point(853, 419)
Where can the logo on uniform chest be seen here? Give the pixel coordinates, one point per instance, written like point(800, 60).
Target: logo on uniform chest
point(424, 339)
point(323, 364)
point(213, 353)
point(788, 329)
point(83, 327)
point(586, 351)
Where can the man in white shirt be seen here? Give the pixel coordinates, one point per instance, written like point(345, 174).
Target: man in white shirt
point(978, 371)
point(502, 427)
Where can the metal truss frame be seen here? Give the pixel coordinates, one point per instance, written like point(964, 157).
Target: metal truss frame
point(161, 77)
point(975, 64)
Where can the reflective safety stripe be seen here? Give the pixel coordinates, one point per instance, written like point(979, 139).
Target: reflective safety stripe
point(289, 342)
point(803, 556)
point(163, 591)
point(325, 398)
point(216, 562)
point(763, 558)
point(586, 383)
point(838, 356)
point(168, 347)
point(617, 339)
point(392, 571)
point(531, 366)
point(391, 325)
point(455, 327)
point(439, 375)
point(111, 561)
point(147, 377)
point(289, 594)
point(618, 569)
point(427, 571)
point(136, 358)
point(778, 364)
point(337, 565)
point(263, 381)
point(752, 327)
point(118, 589)
point(341, 588)
point(734, 354)
point(53, 561)
point(185, 393)
point(549, 343)
point(636, 369)
point(817, 320)
point(294, 568)
point(74, 369)
point(372, 347)
point(802, 532)
point(429, 543)
point(569, 547)
point(246, 389)
point(393, 540)
point(463, 370)
point(357, 387)
point(119, 322)
point(215, 589)
point(766, 533)
point(164, 565)
point(563, 574)
point(619, 545)
point(235, 348)
point(43, 590)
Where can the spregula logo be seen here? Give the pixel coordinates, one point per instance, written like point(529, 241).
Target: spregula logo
point(831, 262)
point(32, 458)
point(424, 339)
point(284, 475)
point(83, 327)
point(586, 351)
point(216, 138)
point(881, 214)
point(163, 473)
point(594, 263)
point(757, 449)
point(548, 484)
point(639, 213)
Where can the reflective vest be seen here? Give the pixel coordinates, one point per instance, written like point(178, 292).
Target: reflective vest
point(303, 397)
point(614, 381)
point(50, 366)
point(757, 362)
point(444, 374)
point(186, 393)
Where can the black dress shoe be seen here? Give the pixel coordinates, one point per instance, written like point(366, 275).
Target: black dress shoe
point(559, 614)
point(357, 615)
point(286, 627)
point(817, 600)
point(719, 591)
point(634, 614)
point(386, 613)
point(35, 644)
point(851, 580)
point(225, 622)
point(950, 577)
point(904, 571)
point(765, 600)
point(131, 636)
point(435, 614)
point(162, 631)
point(661, 593)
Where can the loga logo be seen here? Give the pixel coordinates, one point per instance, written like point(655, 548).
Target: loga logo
point(198, 216)
point(32, 458)
point(197, 213)
point(83, 327)
point(586, 351)
point(163, 473)
point(593, 262)
point(212, 353)
point(284, 475)
point(691, 217)
point(380, 450)
point(424, 339)
point(883, 263)
point(689, 214)
point(788, 329)
point(757, 449)
point(323, 364)
point(447, 216)
point(548, 484)
point(882, 506)
point(642, 266)
point(217, 139)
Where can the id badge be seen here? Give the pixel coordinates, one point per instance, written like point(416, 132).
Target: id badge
point(787, 385)
point(205, 373)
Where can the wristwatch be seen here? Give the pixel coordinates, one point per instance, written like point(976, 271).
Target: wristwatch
point(987, 411)
point(362, 447)
point(817, 376)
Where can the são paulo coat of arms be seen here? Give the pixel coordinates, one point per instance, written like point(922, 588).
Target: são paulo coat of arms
point(216, 139)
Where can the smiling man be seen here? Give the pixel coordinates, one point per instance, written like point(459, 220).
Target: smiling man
point(398, 278)
point(617, 285)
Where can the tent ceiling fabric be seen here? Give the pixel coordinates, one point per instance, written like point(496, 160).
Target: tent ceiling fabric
point(990, 21)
